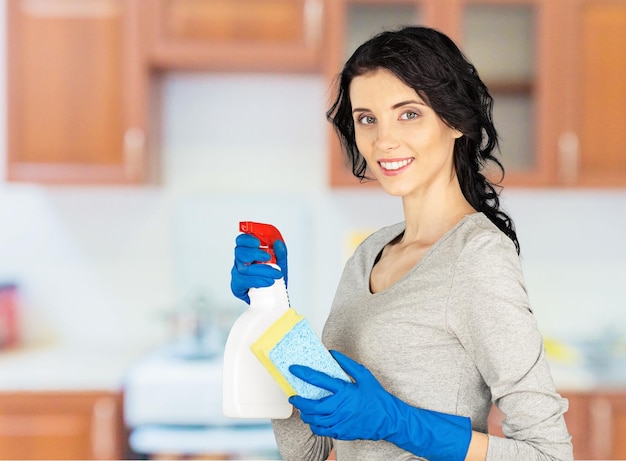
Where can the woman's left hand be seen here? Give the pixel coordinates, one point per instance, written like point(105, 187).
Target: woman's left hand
point(364, 410)
point(359, 410)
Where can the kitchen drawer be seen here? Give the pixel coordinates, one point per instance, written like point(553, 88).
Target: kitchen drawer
point(61, 425)
point(241, 35)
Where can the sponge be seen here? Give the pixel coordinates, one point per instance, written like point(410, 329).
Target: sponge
point(290, 340)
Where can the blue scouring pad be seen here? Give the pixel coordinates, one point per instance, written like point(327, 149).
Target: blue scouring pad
point(291, 341)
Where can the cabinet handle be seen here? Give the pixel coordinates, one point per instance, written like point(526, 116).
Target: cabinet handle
point(313, 10)
point(103, 435)
point(568, 157)
point(134, 148)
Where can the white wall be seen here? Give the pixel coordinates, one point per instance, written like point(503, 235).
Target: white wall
point(102, 264)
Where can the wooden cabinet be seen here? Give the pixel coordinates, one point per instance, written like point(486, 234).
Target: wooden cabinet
point(76, 92)
point(61, 425)
point(554, 67)
point(79, 72)
point(596, 420)
point(512, 44)
point(598, 102)
point(597, 423)
point(240, 35)
point(500, 37)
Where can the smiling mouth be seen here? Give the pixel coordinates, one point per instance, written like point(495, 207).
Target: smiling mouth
point(395, 166)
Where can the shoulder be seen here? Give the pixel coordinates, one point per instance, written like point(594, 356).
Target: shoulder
point(481, 245)
point(488, 275)
point(487, 272)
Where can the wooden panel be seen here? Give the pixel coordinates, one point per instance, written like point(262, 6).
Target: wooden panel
point(235, 20)
point(448, 16)
point(69, 70)
point(236, 35)
point(578, 423)
point(618, 426)
point(61, 425)
point(603, 103)
point(597, 422)
point(71, 88)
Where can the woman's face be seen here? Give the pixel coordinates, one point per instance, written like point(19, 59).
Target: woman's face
point(407, 147)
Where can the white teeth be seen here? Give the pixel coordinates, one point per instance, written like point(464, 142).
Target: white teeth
point(395, 165)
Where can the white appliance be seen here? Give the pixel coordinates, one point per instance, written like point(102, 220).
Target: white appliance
point(173, 405)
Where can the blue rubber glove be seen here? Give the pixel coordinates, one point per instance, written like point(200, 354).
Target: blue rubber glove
point(364, 410)
point(245, 275)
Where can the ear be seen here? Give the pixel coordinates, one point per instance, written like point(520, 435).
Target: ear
point(456, 134)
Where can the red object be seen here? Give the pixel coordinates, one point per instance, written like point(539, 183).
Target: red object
point(266, 233)
point(8, 315)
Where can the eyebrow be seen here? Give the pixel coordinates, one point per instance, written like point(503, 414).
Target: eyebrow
point(395, 106)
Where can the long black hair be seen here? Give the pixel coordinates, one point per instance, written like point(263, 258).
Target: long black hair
point(430, 63)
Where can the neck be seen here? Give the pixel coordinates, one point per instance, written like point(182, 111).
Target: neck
point(432, 213)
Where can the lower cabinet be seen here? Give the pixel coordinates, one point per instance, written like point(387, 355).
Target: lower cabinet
point(61, 425)
point(595, 419)
point(89, 425)
point(597, 422)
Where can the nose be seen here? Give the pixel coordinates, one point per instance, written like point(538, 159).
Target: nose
point(386, 139)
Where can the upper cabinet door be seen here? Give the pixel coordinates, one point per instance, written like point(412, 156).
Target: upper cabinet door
point(597, 154)
point(508, 42)
point(236, 35)
point(555, 68)
point(75, 100)
point(517, 49)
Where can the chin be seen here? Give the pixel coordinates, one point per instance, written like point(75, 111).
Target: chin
point(396, 190)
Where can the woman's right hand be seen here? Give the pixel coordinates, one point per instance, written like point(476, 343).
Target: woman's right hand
point(245, 274)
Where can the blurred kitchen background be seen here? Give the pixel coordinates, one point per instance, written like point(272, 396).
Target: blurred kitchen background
point(136, 134)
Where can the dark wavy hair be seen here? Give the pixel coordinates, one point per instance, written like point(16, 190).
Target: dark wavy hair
point(430, 63)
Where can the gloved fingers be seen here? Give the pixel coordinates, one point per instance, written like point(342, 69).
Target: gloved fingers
point(314, 420)
point(244, 283)
point(330, 432)
point(324, 410)
point(307, 407)
point(248, 256)
point(321, 431)
point(247, 240)
point(280, 251)
point(248, 251)
point(352, 368)
point(317, 378)
point(256, 270)
point(315, 412)
point(335, 424)
point(241, 284)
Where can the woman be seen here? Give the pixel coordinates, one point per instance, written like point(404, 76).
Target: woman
point(431, 318)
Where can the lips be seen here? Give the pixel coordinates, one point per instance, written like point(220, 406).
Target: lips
point(393, 167)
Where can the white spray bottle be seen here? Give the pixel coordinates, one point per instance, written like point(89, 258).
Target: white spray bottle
point(249, 391)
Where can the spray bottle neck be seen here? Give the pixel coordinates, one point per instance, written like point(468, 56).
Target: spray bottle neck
point(267, 298)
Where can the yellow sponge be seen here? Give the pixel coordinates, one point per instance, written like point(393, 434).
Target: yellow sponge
point(288, 341)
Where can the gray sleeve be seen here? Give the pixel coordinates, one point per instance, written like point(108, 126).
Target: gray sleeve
point(296, 442)
point(489, 312)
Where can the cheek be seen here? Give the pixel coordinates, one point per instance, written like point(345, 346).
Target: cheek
point(440, 142)
point(362, 143)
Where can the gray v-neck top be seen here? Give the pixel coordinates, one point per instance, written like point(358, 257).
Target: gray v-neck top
point(453, 335)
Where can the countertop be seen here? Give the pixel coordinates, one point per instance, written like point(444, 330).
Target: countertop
point(63, 367)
